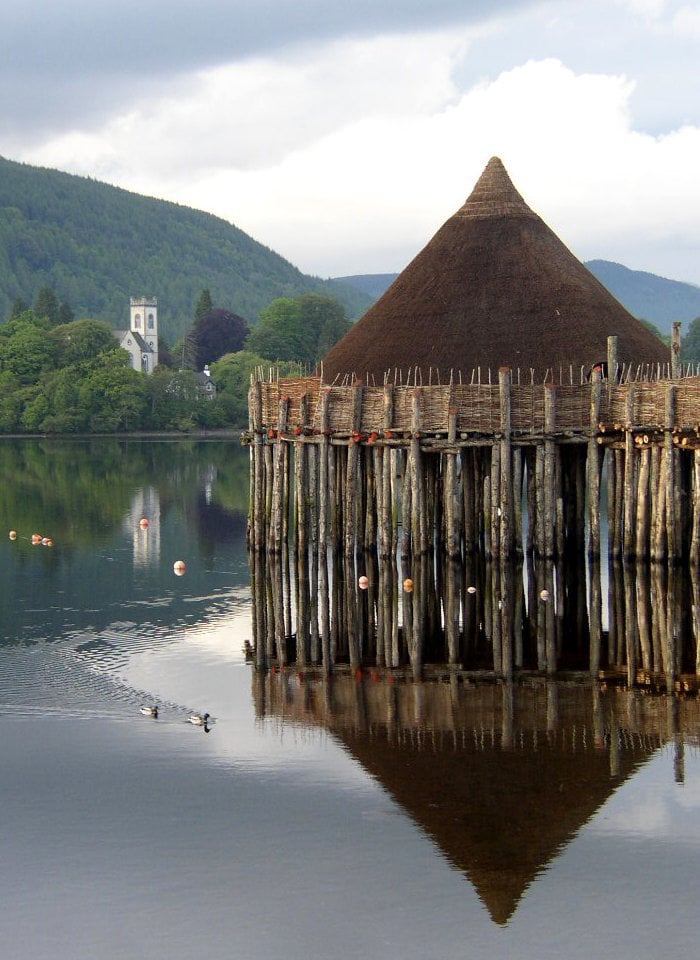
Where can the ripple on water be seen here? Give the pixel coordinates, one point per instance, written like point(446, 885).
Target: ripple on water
point(79, 676)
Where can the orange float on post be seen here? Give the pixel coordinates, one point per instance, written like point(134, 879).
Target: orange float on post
point(143, 523)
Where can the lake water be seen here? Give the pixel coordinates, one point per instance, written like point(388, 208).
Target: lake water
point(317, 817)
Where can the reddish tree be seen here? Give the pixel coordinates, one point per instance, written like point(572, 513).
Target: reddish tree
point(218, 332)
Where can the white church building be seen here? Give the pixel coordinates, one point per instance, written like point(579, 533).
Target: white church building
point(141, 339)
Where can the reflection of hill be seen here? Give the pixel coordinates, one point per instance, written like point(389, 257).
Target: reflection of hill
point(501, 777)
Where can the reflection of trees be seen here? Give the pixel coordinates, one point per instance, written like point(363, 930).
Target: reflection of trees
point(80, 490)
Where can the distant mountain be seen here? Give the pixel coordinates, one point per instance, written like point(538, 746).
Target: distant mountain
point(647, 296)
point(97, 245)
point(644, 294)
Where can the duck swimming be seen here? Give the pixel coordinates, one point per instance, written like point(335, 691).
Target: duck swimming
point(198, 719)
point(149, 711)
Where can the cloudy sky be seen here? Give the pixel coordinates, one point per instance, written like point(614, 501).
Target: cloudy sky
point(343, 133)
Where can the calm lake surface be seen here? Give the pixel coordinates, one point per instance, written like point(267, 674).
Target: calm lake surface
point(315, 819)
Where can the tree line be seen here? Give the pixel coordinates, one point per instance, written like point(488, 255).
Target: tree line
point(60, 375)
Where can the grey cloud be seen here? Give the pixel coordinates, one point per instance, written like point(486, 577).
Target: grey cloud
point(79, 59)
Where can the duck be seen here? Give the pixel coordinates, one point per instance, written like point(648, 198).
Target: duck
point(198, 719)
point(149, 711)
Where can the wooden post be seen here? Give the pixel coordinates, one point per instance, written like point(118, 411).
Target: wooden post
point(550, 499)
point(416, 477)
point(278, 492)
point(630, 507)
point(323, 495)
point(351, 475)
point(255, 402)
point(452, 525)
point(387, 517)
point(612, 359)
point(642, 548)
point(676, 349)
point(593, 461)
point(670, 478)
point(695, 534)
point(506, 496)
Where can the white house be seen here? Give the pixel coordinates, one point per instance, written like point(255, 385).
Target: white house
point(141, 339)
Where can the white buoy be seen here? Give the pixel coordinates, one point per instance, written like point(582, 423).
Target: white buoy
point(179, 568)
point(363, 583)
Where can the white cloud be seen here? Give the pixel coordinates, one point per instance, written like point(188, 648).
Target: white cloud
point(686, 21)
point(348, 160)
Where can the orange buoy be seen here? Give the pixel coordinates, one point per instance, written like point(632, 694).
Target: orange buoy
point(363, 583)
point(13, 534)
point(408, 585)
point(143, 522)
point(179, 568)
point(36, 538)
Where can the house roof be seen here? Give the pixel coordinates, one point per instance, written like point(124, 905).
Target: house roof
point(494, 287)
point(138, 339)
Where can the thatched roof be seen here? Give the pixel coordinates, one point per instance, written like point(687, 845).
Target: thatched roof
point(495, 286)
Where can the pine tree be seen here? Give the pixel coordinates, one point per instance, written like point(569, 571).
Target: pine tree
point(204, 304)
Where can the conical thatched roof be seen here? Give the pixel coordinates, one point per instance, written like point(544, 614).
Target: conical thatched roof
point(495, 286)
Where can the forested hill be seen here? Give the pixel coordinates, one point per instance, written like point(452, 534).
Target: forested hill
point(96, 245)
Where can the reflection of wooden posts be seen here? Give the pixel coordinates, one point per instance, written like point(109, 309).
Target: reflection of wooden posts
point(594, 466)
point(630, 625)
point(695, 621)
point(657, 593)
point(643, 620)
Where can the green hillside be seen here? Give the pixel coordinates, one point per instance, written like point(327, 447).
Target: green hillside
point(97, 245)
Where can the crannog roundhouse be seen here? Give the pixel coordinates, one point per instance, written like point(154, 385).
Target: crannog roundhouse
point(494, 287)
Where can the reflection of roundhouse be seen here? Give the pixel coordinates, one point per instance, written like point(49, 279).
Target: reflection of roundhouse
point(495, 286)
point(501, 777)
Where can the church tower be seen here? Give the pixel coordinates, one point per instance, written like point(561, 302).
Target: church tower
point(144, 322)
